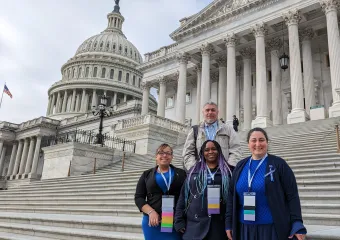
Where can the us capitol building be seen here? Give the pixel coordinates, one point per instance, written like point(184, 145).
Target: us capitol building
point(269, 62)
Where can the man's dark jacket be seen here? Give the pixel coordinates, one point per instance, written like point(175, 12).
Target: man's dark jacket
point(282, 195)
point(148, 191)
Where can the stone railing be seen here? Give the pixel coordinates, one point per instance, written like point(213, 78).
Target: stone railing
point(152, 119)
point(160, 52)
point(38, 121)
point(8, 125)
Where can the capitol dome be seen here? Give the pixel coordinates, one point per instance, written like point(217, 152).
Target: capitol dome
point(104, 64)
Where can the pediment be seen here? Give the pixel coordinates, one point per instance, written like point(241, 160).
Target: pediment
point(215, 12)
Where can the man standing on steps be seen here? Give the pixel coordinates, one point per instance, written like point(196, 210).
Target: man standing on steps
point(211, 129)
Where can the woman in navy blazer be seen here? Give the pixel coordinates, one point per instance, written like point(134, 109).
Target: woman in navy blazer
point(192, 217)
point(277, 209)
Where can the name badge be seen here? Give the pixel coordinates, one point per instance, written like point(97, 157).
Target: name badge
point(249, 206)
point(168, 204)
point(214, 196)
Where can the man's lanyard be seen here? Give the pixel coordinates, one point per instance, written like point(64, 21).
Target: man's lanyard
point(250, 178)
point(212, 175)
point(164, 178)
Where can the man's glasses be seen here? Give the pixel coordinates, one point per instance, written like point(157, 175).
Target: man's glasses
point(165, 153)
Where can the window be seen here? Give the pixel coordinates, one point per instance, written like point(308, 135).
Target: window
point(108, 45)
point(112, 72)
point(269, 76)
point(127, 77)
point(120, 48)
point(103, 72)
point(139, 80)
point(253, 79)
point(101, 44)
point(120, 76)
point(65, 74)
point(69, 74)
point(73, 73)
point(95, 45)
point(95, 72)
point(115, 22)
point(87, 72)
point(114, 47)
point(188, 97)
point(134, 80)
point(79, 72)
point(169, 102)
point(126, 50)
point(130, 51)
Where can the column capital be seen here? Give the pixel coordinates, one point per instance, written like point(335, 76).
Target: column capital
point(292, 17)
point(306, 34)
point(231, 40)
point(274, 43)
point(207, 49)
point(329, 5)
point(145, 86)
point(259, 30)
point(222, 61)
point(183, 58)
point(162, 80)
point(247, 52)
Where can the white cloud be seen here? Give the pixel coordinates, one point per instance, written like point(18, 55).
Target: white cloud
point(38, 36)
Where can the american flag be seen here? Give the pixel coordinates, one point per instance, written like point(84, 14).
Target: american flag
point(6, 90)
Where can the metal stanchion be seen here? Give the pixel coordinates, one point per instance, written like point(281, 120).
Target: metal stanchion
point(69, 170)
point(94, 166)
point(337, 137)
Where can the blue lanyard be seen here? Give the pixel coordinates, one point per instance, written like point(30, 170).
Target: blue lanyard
point(212, 175)
point(251, 178)
point(208, 132)
point(164, 178)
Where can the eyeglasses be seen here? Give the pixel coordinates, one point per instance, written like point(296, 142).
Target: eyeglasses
point(165, 153)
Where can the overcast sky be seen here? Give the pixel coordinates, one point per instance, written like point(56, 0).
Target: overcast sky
point(38, 36)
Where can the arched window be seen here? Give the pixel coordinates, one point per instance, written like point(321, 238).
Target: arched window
point(126, 50)
point(87, 72)
point(79, 72)
point(120, 48)
point(73, 73)
point(135, 55)
point(69, 74)
point(134, 80)
point(112, 72)
point(139, 82)
point(65, 74)
point(120, 76)
point(95, 45)
point(101, 44)
point(127, 77)
point(95, 72)
point(130, 51)
point(114, 47)
point(108, 45)
point(103, 72)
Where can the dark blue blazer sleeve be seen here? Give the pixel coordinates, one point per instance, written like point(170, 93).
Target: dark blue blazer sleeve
point(180, 220)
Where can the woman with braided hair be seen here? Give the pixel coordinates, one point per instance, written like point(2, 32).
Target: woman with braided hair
point(200, 211)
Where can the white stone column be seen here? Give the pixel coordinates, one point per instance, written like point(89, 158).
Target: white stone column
point(87, 99)
point(114, 98)
point(17, 158)
point(275, 45)
point(198, 69)
point(222, 86)
point(182, 87)
point(94, 102)
point(206, 50)
point(2, 159)
point(52, 104)
point(247, 54)
point(78, 103)
point(161, 98)
point(83, 101)
point(308, 75)
point(261, 120)
point(36, 155)
point(57, 105)
point(64, 102)
point(330, 8)
point(30, 156)
point(24, 156)
point(145, 104)
point(298, 113)
point(231, 76)
point(125, 98)
point(12, 159)
point(237, 97)
point(73, 102)
point(2, 142)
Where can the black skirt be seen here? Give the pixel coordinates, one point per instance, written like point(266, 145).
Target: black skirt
point(258, 232)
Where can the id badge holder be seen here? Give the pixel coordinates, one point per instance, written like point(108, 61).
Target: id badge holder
point(249, 206)
point(214, 196)
point(168, 204)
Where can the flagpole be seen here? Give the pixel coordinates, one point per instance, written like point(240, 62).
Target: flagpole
point(2, 95)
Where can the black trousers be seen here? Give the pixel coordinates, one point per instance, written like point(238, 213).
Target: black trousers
point(235, 128)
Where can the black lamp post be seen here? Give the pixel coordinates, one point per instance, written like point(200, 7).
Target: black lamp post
point(103, 111)
point(284, 59)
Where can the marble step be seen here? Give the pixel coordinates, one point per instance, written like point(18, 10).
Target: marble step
point(102, 223)
point(322, 219)
point(321, 208)
point(315, 164)
point(87, 211)
point(322, 232)
point(327, 169)
point(312, 198)
point(318, 176)
point(15, 236)
point(320, 190)
point(63, 233)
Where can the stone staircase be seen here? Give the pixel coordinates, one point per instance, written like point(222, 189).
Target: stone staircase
point(101, 205)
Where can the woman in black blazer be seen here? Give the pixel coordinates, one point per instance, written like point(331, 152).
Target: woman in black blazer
point(200, 212)
point(157, 192)
point(263, 200)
